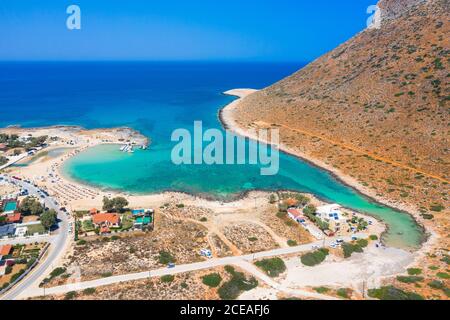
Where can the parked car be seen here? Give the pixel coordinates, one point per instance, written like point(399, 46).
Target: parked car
point(171, 265)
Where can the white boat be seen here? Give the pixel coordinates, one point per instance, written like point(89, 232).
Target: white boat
point(123, 148)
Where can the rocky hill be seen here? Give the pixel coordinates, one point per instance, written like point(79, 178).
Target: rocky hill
point(382, 95)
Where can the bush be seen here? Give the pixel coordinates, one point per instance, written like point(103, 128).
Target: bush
point(203, 219)
point(106, 274)
point(165, 257)
point(436, 284)
point(292, 243)
point(273, 267)
point(393, 293)
point(231, 289)
point(343, 293)
point(409, 279)
point(443, 275)
point(362, 243)
point(57, 272)
point(321, 289)
point(212, 280)
point(70, 295)
point(167, 278)
point(311, 259)
point(81, 242)
point(414, 271)
point(349, 249)
point(373, 237)
point(89, 291)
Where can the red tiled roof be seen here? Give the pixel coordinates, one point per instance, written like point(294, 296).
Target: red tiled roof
point(295, 213)
point(14, 218)
point(100, 218)
point(5, 250)
point(93, 211)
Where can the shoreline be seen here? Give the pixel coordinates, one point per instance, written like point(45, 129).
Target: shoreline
point(225, 117)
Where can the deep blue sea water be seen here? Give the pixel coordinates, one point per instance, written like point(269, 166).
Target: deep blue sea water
point(156, 98)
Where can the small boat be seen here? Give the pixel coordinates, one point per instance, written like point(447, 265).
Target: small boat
point(123, 148)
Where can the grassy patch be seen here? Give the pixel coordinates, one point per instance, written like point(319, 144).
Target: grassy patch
point(35, 228)
point(273, 267)
point(343, 293)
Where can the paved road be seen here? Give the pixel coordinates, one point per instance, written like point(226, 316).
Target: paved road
point(57, 245)
point(240, 261)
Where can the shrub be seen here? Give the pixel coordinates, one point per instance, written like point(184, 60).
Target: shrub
point(252, 239)
point(321, 289)
point(414, 271)
point(393, 293)
point(273, 267)
point(292, 243)
point(343, 293)
point(409, 279)
point(57, 272)
point(180, 205)
point(89, 291)
point(436, 284)
point(443, 275)
point(167, 278)
point(373, 237)
point(212, 280)
point(231, 289)
point(362, 243)
point(165, 257)
point(437, 207)
point(314, 258)
point(204, 219)
point(81, 242)
point(106, 274)
point(349, 249)
point(70, 295)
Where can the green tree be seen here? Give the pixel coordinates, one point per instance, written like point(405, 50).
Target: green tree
point(309, 210)
point(48, 218)
point(31, 206)
point(108, 204)
point(120, 203)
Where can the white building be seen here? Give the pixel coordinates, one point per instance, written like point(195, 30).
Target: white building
point(332, 214)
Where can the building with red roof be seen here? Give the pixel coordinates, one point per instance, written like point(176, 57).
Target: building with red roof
point(296, 214)
point(110, 220)
point(14, 218)
point(5, 250)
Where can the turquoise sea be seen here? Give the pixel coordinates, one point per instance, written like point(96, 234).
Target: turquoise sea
point(156, 98)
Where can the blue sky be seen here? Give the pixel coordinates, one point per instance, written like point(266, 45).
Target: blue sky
point(264, 30)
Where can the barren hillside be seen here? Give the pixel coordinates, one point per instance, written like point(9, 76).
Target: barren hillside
point(376, 108)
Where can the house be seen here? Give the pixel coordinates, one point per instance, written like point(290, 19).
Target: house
point(14, 218)
point(332, 214)
point(5, 250)
point(93, 211)
point(109, 220)
point(7, 230)
point(296, 215)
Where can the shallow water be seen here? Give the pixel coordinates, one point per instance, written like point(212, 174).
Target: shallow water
point(156, 98)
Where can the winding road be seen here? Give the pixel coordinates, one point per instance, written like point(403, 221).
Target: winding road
point(58, 244)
